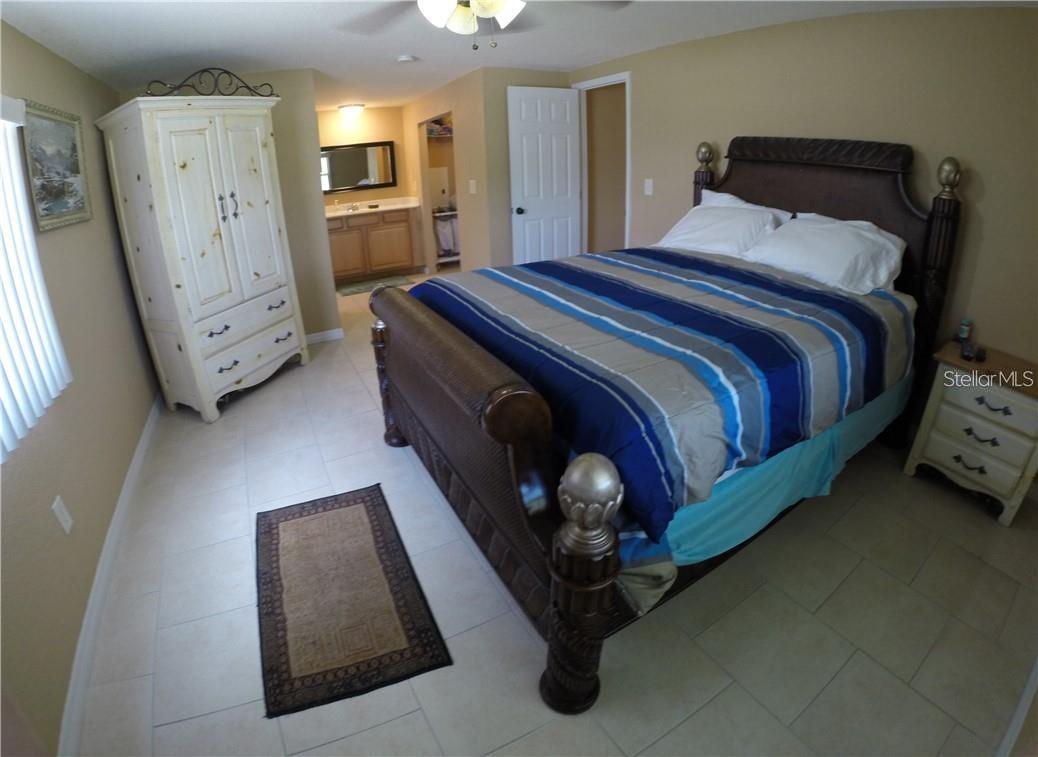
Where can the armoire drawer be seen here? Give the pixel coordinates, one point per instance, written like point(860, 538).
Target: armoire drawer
point(975, 432)
point(998, 405)
point(234, 363)
point(232, 326)
point(955, 457)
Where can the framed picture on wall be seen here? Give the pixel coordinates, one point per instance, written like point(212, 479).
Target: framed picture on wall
point(57, 172)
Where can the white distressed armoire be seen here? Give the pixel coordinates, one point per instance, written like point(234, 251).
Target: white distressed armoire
point(195, 185)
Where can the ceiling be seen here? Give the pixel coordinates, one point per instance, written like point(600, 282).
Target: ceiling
point(354, 45)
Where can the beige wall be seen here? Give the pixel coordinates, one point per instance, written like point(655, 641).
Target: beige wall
point(299, 168)
point(605, 113)
point(441, 155)
point(372, 125)
point(957, 82)
point(83, 445)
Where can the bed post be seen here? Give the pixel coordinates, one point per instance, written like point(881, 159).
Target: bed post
point(392, 437)
point(584, 563)
point(704, 176)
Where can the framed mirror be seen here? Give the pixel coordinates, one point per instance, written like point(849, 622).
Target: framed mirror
point(368, 165)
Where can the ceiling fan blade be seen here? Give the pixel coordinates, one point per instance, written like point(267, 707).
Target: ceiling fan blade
point(526, 21)
point(379, 19)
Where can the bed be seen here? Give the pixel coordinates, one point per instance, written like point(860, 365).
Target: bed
point(503, 453)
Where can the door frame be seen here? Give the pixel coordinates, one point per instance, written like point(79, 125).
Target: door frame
point(624, 77)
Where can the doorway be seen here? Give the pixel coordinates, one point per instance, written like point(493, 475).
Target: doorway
point(605, 107)
point(440, 198)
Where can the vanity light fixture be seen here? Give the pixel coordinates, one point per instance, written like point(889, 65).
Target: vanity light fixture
point(462, 16)
point(352, 110)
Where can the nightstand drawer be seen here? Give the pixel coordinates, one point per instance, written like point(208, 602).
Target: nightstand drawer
point(976, 433)
point(997, 405)
point(970, 464)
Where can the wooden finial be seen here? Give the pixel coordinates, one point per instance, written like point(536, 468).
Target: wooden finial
point(949, 173)
point(585, 560)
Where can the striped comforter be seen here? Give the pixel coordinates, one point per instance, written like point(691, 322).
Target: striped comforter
point(680, 367)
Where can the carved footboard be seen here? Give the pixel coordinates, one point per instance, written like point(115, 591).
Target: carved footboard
point(485, 436)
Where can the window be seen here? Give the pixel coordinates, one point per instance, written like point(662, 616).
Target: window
point(33, 367)
point(326, 182)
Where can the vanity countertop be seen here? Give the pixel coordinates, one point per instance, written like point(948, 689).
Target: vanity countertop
point(374, 206)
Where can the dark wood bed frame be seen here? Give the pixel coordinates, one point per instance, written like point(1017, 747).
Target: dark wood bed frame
point(485, 435)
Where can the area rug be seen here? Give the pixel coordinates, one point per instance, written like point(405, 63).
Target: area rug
point(340, 609)
point(359, 287)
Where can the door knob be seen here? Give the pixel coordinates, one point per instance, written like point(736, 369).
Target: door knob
point(520, 211)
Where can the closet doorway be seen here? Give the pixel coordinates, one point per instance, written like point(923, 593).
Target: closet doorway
point(605, 107)
point(439, 184)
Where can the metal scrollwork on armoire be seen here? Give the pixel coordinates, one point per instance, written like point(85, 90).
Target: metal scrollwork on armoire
point(210, 81)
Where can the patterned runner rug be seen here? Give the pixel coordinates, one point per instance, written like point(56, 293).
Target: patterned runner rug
point(340, 609)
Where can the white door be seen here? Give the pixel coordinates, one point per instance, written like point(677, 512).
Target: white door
point(544, 152)
point(252, 202)
point(198, 206)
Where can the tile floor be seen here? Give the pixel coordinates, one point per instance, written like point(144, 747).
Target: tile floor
point(892, 617)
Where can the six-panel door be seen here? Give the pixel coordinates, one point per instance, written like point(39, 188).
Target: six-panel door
point(189, 145)
point(251, 200)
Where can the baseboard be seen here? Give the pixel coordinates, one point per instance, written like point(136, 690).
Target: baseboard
point(79, 681)
point(1023, 707)
point(325, 336)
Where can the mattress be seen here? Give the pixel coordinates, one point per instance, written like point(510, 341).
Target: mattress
point(682, 368)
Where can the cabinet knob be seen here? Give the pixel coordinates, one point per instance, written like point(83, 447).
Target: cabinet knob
point(520, 211)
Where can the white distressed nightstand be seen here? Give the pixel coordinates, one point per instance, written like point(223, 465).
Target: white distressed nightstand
point(980, 427)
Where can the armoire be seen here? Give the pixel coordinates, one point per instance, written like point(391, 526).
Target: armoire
point(195, 186)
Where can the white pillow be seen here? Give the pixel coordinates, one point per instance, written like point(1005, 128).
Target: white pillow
point(853, 256)
point(721, 230)
point(710, 198)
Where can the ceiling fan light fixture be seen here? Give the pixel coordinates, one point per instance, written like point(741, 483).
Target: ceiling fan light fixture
point(437, 12)
point(463, 20)
point(508, 10)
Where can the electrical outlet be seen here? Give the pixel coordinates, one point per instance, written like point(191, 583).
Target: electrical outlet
point(62, 514)
point(648, 187)
point(472, 186)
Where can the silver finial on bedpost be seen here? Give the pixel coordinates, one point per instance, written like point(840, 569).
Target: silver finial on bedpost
point(705, 155)
point(590, 492)
point(704, 175)
point(584, 563)
point(949, 173)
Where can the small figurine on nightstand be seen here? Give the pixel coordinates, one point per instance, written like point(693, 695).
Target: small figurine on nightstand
point(980, 427)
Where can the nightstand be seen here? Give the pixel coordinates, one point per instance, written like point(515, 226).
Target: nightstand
point(980, 427)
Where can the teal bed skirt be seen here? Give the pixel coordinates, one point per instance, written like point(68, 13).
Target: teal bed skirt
point(744, 503)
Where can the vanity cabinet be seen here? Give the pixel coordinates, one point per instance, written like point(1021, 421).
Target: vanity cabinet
point(195, 185)
point(368, 244)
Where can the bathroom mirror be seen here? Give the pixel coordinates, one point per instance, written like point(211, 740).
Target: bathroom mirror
point(369, 165)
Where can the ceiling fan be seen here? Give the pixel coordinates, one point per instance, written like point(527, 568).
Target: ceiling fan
point(462, 16)
point(385, 16)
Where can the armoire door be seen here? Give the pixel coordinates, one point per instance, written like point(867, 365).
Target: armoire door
point(189, 151)
point(253, 202)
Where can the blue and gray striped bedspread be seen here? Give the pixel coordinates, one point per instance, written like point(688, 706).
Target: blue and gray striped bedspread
point(680, 367)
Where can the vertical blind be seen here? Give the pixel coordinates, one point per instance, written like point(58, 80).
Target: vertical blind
point(34, 367)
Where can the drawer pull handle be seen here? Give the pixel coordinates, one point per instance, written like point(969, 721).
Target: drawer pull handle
point(223, 208)
point(225, 329)
point(235, 213)
point(1004, 410)
point(231, 367)
point(275, 307)
point(279, 339)
point(979, 469)
point(993, 441)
